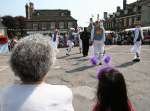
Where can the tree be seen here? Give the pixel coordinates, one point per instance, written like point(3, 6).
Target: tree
point(20, 25)
point(15, 26)
point(9, 22)
point(20, 22)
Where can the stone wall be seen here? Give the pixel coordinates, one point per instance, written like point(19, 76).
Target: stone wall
point(145, 18)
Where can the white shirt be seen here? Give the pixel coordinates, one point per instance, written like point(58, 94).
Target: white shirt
point(43, 97)
point(137, 32)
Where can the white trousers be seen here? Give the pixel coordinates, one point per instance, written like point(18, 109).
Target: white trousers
point(70, 46)
point(98, 49)
point(136, 49)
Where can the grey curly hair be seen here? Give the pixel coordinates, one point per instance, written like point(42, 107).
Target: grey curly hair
point(32, 57)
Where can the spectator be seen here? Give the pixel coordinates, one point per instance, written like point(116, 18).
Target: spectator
point(31, 60)
point(111, 91)
point(85, 37)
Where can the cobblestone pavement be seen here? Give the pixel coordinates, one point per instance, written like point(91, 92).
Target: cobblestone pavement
point(77, 73)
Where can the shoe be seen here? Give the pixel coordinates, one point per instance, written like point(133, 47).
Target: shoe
point(68, 54)
point(136, 60)
point(100, 63)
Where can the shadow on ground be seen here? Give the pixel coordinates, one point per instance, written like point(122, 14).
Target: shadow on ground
point(82, 60)
point(62, 57)
point(126, 64)
point(75, 57)
point(82, 68)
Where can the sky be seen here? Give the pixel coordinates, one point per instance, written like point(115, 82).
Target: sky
point(81, 10)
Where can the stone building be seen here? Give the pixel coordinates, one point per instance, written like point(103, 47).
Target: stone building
point(3, 29)
point(45, 21)
point(136, 13)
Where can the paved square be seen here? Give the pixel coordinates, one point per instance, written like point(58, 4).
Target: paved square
point(77, 73)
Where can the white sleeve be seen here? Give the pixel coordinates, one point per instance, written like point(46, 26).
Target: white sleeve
point(104, 37)
point(136, 34)
point(92, 33)
point(68, 106)
point(52, 37)
point(2, 100)
point(142, 34)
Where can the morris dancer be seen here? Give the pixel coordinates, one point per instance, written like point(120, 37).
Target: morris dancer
point(98, 39)
point(70, 42)
point(138, 36)
point(55, 41)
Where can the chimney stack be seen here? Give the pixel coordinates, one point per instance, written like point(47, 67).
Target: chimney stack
point(124, 4)
point(31, 9)
point(27, 11)
point(118, 8)
point(105, 15)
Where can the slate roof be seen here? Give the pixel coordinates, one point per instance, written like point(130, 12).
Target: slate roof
point(51, 15)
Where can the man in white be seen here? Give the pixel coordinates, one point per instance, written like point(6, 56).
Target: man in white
point(98, 38)
point(80, 41)
point(31, 60)
point(138, 36)
point(70, 40)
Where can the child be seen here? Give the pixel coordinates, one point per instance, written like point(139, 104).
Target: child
point(111, 91)
point(31, 60)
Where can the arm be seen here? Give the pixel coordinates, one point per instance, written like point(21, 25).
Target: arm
point(92, 33)
point(142, 34)
point(136, 34)
point(104, 37)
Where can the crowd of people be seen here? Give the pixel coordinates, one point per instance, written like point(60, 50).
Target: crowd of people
point(32, 58)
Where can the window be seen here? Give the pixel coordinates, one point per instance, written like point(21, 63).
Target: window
point(43, 26)
point(35, 26)
point(62, 14)
point(52, 25)
point(70, 24)
point(125, 12)
point(61, 25)
point(135, 9)
point(130, 21)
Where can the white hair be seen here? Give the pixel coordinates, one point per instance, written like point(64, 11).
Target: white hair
point(32, 57)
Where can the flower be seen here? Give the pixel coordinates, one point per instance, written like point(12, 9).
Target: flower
point(107, 59)
point(94, 60)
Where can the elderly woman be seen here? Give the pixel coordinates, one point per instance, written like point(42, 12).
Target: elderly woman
point(31, 60)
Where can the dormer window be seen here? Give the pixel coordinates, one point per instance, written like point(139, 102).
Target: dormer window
point(135, 9)
point(62, 14)
point(118, 13)
point(38, 13)
point(126, 12)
